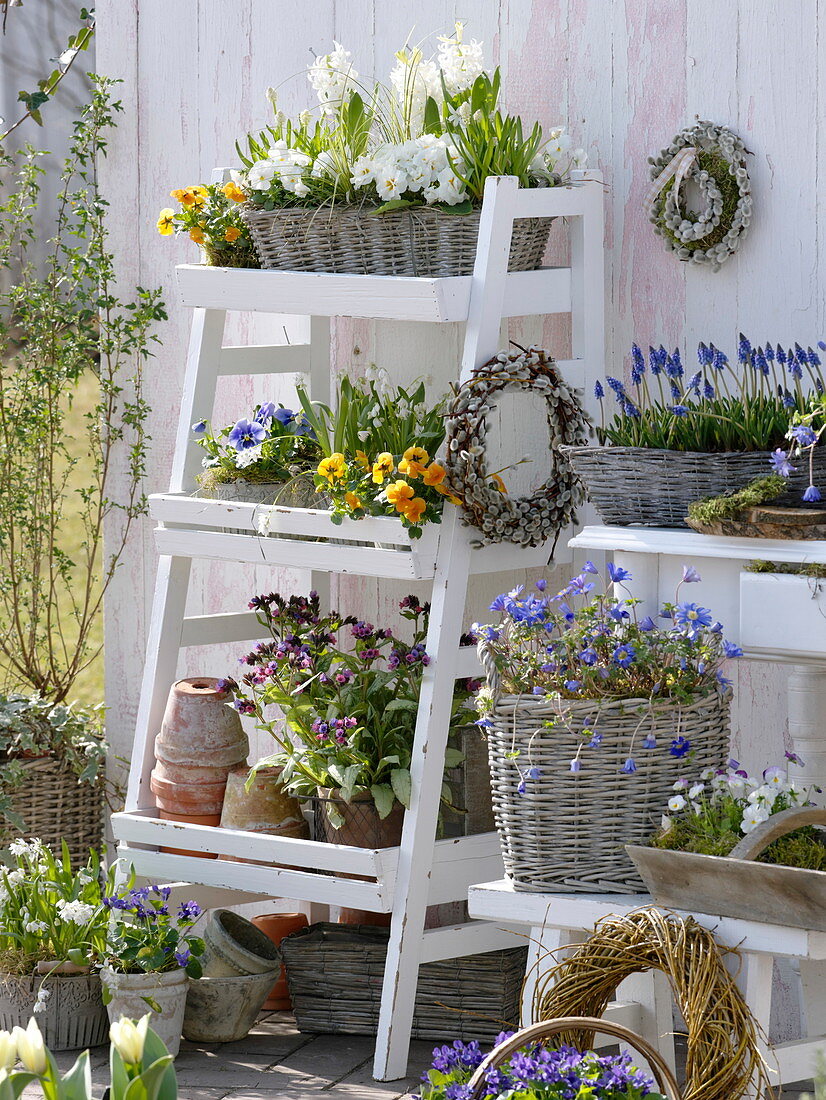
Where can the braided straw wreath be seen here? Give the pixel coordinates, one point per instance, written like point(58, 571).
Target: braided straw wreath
point(718, 168)
point(530, 520)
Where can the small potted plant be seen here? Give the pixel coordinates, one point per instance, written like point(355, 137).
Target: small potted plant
point(589, 707)
point(140, 1065)
point(740, 845)
point(680, 436)
point(348, 692)
point(210, 216)
point(266, 458)
point(52, 929)
point(150, 955)
point(389, 181)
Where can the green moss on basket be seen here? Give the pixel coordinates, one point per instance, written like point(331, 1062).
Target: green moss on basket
point(802, 848)
point(718, 168)
point(798, 569)
point(713, 509)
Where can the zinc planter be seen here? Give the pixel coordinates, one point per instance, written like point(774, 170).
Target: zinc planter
point(782, 613)
point(233, 946)
point(223, 1010)
point(74, 1015)
point(131, 996)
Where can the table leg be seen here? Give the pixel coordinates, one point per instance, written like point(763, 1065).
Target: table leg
point(652, 992)
point(807, 723)
point(755, 980)
point(543, 940)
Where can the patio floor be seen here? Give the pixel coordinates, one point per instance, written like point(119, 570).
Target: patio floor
point(276, 1062)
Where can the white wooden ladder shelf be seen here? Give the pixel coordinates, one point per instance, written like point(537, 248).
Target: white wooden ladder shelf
point(422, 871)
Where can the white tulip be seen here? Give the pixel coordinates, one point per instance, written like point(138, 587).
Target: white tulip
point(129, 1038)
point(30, 1047)
point(8, 1050)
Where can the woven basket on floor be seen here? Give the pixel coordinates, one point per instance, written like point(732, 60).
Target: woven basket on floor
point(54, 806)
point(335, 975)
point(566, 832)
point(651, 487)
point(351, 240)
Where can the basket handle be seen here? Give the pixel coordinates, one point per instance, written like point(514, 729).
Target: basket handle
point(776, 826)
point(483, 649)
point(546, 1028)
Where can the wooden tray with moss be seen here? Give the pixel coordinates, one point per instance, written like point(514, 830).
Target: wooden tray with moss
point(218, 483)
point(748, 513)
point(755, 881)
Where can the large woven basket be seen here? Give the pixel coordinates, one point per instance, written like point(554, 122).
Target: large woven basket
point(566, 832)
point(653, 488)
point(335, 974)
point(354, 241)
point(54, 805)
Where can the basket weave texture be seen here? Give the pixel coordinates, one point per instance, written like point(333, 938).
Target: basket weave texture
point(566, 832)
point(351, 240)
point(335, 975)
point(653, 488)
point(54, 806)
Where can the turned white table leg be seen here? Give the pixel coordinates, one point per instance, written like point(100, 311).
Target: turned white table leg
point(807, 721)
point(652, 992)
point(542, 942)
point(755, 981)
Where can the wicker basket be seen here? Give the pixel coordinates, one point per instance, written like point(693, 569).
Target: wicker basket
point(566, 832)
point(354, 241)
point(54, 806)
point(335, 974)
point(654, 488)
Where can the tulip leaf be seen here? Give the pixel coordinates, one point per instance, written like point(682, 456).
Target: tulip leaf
point(76, 1084)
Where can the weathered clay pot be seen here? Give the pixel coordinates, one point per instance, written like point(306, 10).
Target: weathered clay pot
point(264, 808)
point(201, 739)
point(74, 1015)
point(276, 926)
point(131, 996)
point(362, 827)
point(233, 945)
point(223, 1010)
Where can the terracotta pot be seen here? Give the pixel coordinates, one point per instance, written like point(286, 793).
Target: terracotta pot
point(73, 1016)
point(276, 926)
point(131, 994)
point(233, 945)
point(364, 916)
point(362, 827)
point(192, 819)
point(265, 807)
point(200, 800)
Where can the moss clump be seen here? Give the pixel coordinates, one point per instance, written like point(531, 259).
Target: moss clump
point(718, 168)
point(803, 848)
point(797, 569)
point(713, 509)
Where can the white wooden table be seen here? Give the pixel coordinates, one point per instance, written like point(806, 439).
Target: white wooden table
point(556, 921)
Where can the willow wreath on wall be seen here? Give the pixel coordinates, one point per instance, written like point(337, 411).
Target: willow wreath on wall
point(486, 504)
point(713, 158)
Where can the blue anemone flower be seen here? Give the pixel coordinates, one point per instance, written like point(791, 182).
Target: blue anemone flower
point(804, 435)
point(624, 655)
point(647, 623)
point(649, 741)
point(199, 427)
point(690, 575)
point(732, 650)
point(617, 573)
point(691, 617)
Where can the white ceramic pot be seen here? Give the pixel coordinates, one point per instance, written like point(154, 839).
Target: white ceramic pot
point(132, 995)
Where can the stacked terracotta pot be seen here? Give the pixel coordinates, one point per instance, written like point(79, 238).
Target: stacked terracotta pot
point(200, 742)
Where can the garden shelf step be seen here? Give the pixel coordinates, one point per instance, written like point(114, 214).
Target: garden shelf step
point(225, 530)
point(306, 870)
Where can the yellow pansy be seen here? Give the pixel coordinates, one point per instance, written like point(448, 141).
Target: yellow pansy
point(399, 494)
point(234, 192)
point(362, 460)
point(447, 493)
point(383, 467)
point(178, 193)
point(434, 474)
point(197, 235)
point(414, 509)
point(166, 221)
point(352, 500)
point(232, 234)
point(332, 468)
point(414, 461)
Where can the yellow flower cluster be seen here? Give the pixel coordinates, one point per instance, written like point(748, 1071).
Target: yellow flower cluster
point(197, 214)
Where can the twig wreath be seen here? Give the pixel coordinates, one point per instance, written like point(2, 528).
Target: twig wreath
point(713, 158)
point(486, 505)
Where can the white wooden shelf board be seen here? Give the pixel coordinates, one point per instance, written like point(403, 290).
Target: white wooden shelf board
point(527, 293)
point(498, 900)
point(691, 544)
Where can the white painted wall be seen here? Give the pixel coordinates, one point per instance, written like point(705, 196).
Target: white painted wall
point(625, 75)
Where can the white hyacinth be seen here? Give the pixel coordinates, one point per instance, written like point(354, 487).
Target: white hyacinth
point(461, 62)
point(76, 912)
point(330, 76)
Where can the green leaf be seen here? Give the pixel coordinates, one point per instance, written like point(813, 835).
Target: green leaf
point(148, 1085)
point(392, 205)
point(402, 704)
point(384, 797)
point(432, 119)
point(464, 207)
point(400, 782)
point(453, 757)
point(77, 1083)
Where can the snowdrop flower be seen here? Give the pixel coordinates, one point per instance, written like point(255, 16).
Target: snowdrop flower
point(676, 803)
point(753, 817)
point(330, 75)
point(40, 1002)
point(78, 912)
point(129, 1038)
point(30, 1047)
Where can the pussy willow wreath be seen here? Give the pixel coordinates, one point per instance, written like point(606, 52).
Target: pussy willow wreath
point(718, 168)
point(530, 520)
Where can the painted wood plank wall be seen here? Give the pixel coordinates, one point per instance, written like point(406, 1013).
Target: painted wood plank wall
point(624, 75)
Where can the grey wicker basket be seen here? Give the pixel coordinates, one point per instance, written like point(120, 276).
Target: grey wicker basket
point(352, 240)
point(653, 488)
point(54, 806)
point(335, 975)
point(566, 832)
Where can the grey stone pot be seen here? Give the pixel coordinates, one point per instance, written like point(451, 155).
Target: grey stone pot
point(131, 994)
point(223, 1010)
point(74, 1015)
point(233, 946)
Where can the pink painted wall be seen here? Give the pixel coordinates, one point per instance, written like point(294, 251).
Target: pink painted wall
point(624, 75)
